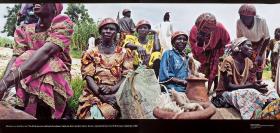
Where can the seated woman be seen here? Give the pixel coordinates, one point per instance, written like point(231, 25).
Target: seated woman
point(103, 68)
point(174, 63)
point(237, 84)
point(40, 66)
point(148, 50)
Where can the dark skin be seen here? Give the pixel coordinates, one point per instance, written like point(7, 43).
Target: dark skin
point(43, 24)
point(127, 14)
point(277, 38)
point(203, 38)
point(263, 44)
point(246, 51)
point(104, 92)
point(203, 34)
point(46, 13)
point(248, 21)
point(180, 42)
point(143, 32)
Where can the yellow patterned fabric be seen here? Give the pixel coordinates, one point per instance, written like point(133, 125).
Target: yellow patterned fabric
point(148, 47)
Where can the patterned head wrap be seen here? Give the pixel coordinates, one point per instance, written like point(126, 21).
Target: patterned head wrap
point(235, 45)
point(247, 10)
point(106, 21)
point(177, 33)
point(143, 22)
point(205, 19)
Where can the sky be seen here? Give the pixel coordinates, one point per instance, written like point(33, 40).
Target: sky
point(183, 15)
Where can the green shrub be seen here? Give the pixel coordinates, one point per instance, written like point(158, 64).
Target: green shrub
point(77, 85)
point(75, 53)
point(6, 42)
point(268, 67)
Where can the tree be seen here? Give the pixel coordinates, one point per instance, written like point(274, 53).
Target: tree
point(78, 12)
point(10, 24)
point(84, 26)
point(83, 29)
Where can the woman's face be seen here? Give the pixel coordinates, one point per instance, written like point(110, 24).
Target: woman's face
point(143, 30)
point(247, 20)
point(246, 49)
point(44, 9)
point(109, 32)
point(206, 31)
point(180, 42)
point(277, 34)
point(128, 14)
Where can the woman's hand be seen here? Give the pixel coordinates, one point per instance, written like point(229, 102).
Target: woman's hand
point(142, 52)
point(105, 89)
point(110, 99)
point(261, 87)
point(108, 90)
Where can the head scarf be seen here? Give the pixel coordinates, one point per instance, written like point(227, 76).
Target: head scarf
point(125, 11)
point(177, 33)
point(235, 45)
point(143, 22)
point(277, 30)
point(106, 21)
point(205, 19)
point(247, 10)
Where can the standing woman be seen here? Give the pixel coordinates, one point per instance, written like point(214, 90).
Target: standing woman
point(277, 76)
point(256, 30)
point(165, 30)
point(40, 66)
point(104, 68)
point(208, 39)
point(274, 45)
point(147, 50)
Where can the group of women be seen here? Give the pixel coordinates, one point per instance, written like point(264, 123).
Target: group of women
point(40, 66)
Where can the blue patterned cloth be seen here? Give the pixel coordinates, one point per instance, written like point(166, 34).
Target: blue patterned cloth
point(173, 65)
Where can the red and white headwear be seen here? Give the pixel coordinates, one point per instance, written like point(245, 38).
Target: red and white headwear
point(107, 21)
point(247, 10)
point(177, 33)
point(236, 44)
point(205, 19)
point(143, 22)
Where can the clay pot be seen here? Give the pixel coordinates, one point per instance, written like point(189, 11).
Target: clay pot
point(196, 90)
point(209, 111)
point(9, 112)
